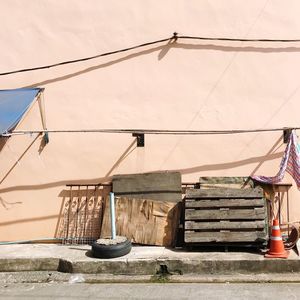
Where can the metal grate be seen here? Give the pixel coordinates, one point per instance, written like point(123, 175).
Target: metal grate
point(82, 213)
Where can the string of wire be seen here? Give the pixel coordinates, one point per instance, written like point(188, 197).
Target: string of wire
point(173, 38)
point(148, 131)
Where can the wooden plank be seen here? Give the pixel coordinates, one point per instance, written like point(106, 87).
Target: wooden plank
point(192, 225)
point(224, 193)
point(225, 180)
point(144, 221)
point(160, 186)
point(192, 203)
point(205, 237)
point(219, 214)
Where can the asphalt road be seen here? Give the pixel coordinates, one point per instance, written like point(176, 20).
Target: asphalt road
point(150, 291)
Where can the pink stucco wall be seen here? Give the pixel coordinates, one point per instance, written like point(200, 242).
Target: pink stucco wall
point(191, 85)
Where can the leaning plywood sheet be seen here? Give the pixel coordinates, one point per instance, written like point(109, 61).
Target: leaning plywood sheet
point(143, 221)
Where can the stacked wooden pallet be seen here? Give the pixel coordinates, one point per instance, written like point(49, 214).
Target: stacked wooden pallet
point(225, 215)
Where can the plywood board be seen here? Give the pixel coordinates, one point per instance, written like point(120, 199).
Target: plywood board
point(143, 221)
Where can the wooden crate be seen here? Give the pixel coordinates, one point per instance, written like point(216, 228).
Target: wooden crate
point(225, 216)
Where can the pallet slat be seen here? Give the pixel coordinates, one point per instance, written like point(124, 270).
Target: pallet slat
point(204, 237)
point(192, 203)
point(224, 193)
point(225, 180)
point(192, 225)
point(256, 213)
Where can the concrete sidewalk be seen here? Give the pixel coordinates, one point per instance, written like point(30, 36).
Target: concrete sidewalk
point(145, 261)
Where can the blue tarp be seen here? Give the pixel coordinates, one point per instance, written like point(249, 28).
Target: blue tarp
point(13, 105)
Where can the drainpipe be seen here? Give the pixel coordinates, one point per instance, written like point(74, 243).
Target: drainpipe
point(112, 215)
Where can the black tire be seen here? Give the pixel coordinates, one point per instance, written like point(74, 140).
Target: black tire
point(111, 251)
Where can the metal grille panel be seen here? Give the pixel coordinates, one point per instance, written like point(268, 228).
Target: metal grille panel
point(82, 213)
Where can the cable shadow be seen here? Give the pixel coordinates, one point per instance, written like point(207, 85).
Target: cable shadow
point(19, 159)
point(93, 68)
point(28, 220)
point(2, 142)
point(104, 179)
point(125, 154)
point(8, 205)
point(268, 154)
point(164, 49)
point(241, 48)
point(229, 165)
point(212, 167)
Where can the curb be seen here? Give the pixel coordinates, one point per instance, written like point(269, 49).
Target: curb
point(152, 267)
point(28, 264)
point(180, 267)
point(57, 277)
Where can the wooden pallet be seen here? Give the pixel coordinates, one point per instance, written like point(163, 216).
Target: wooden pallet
point(225, 216)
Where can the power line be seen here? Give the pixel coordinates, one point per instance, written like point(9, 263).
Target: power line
point(84, 59)
point(173, 38)
point(148, 131)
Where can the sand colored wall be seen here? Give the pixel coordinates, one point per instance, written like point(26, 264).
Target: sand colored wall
point(187, 85)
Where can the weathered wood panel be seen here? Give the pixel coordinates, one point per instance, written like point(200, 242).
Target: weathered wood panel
point(219, 214)
point(192, 225)
point(226, 180)
point(204, 237)
point(143, 221)
point(160, 186)
point(192, 203)
point(224, 193)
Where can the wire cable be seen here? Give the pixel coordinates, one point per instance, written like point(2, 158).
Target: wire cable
point(173, 38)
point(84, 59)
point(147, 131)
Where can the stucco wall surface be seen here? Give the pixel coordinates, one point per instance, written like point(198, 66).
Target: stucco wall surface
point(189, 85)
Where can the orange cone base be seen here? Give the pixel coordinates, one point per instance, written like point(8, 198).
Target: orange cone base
point(284, 254)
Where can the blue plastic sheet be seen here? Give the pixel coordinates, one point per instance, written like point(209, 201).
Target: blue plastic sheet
point(13, 105)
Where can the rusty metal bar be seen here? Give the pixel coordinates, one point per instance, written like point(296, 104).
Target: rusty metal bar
point(69, 209)
point(89, 184)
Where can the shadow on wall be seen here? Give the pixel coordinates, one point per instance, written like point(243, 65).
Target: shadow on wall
point(106, 178)
point(20, 157)
point(80, 211)
point(8, 205)
point(2, 142)
point(164, 49)
point(28, 220)
point(269, 156)
point(231, 165)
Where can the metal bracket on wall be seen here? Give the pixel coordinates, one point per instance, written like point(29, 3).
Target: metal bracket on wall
point(286, 135)
point(140, 139)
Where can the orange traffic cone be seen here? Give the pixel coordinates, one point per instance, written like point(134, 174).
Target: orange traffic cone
point(276, 244)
